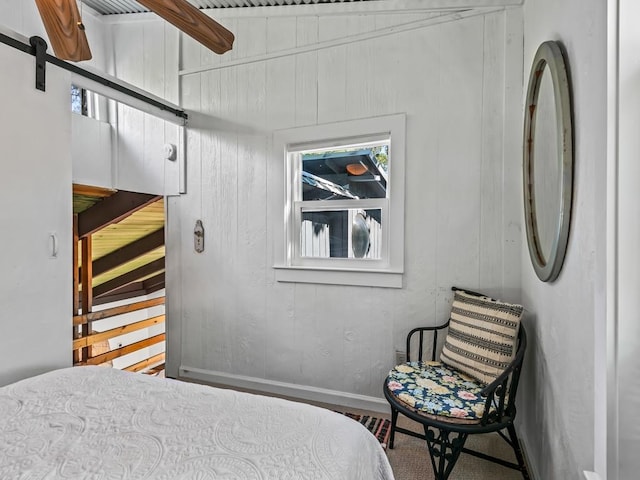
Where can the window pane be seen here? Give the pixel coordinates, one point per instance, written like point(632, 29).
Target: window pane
point(76, 99)
point(349, 233)
point(350, 172)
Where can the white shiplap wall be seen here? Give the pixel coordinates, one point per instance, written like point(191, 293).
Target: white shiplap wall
point(229, 320)
point(144, 58)
point(567, 317)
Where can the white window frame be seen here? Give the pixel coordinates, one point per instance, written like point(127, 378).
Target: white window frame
point(288, 264)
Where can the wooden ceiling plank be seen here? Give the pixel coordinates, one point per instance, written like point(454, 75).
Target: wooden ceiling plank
point(154, 288)
point(91, 191)
point(116, 296)
point(112, 210)
point(153, 281)
point(131, 289)
point(129, 252)
point(129, 277)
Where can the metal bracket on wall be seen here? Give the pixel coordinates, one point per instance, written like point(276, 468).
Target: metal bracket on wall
point(40, 47)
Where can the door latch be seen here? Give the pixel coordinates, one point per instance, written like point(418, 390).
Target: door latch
point(198, 237)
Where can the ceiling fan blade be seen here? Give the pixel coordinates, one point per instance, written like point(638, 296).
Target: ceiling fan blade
point(66, 33)
point(193, 22)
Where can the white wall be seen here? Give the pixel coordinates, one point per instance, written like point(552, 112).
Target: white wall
point(228, 317)
point(127, 154)
point(35, 201)
point(91, 152)
point(628, 338)
point(136, 160)
point(557, 400)
point(147, 56)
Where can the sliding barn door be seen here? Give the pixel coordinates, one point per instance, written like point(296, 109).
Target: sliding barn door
point(35, 218)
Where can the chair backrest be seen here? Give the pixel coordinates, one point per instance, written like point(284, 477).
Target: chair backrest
point(501, 393)
point(482, 336)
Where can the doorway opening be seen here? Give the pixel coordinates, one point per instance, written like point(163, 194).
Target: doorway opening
point(119, 279)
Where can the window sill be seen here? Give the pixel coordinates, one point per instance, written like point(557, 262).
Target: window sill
point(333, 276)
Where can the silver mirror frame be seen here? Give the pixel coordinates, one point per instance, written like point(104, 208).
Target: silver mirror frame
point(549, 55)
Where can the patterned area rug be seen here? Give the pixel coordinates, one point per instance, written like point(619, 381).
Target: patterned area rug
point(379, 427)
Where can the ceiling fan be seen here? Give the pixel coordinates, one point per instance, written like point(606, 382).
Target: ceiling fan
point(64, 26)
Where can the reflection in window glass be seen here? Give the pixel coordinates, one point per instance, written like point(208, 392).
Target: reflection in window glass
point(352, 172)
point(77, 100)
point(347, 233)
point(86, 103)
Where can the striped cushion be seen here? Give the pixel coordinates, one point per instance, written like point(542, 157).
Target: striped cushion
point(482, 336)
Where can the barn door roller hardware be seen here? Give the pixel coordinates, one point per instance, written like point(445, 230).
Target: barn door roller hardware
point(40, 48)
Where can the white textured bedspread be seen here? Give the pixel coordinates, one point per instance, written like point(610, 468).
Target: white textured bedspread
point(102, 423)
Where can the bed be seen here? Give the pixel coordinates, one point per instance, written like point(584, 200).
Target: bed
point(103, 423)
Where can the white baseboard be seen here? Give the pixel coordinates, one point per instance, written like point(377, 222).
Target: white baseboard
point(533, 471)
point(301, 392)
point(591, 475)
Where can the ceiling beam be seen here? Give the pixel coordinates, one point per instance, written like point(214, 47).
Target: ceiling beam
point(129, 277)
point(155, 288)
point(193, 22)
point(133, 290)
point(112, 210)
point(64, 28)
point(128, 252)
point(154, 281)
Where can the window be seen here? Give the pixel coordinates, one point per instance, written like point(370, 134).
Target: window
point(85, 102)
point(339, 198)
point(78, 100)
point(344, 202)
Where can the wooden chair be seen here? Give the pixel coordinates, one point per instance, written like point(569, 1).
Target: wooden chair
point(472, 389)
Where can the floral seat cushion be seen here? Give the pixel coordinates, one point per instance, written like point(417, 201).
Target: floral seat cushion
point(437, 390)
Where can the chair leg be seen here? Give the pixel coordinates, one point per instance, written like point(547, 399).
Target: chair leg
point(394, 419)
point(518, 451)
point(444, 452)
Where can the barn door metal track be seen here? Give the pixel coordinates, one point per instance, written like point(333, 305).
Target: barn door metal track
point(38, 48)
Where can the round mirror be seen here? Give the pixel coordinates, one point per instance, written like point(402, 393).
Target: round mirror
point(548, 162)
